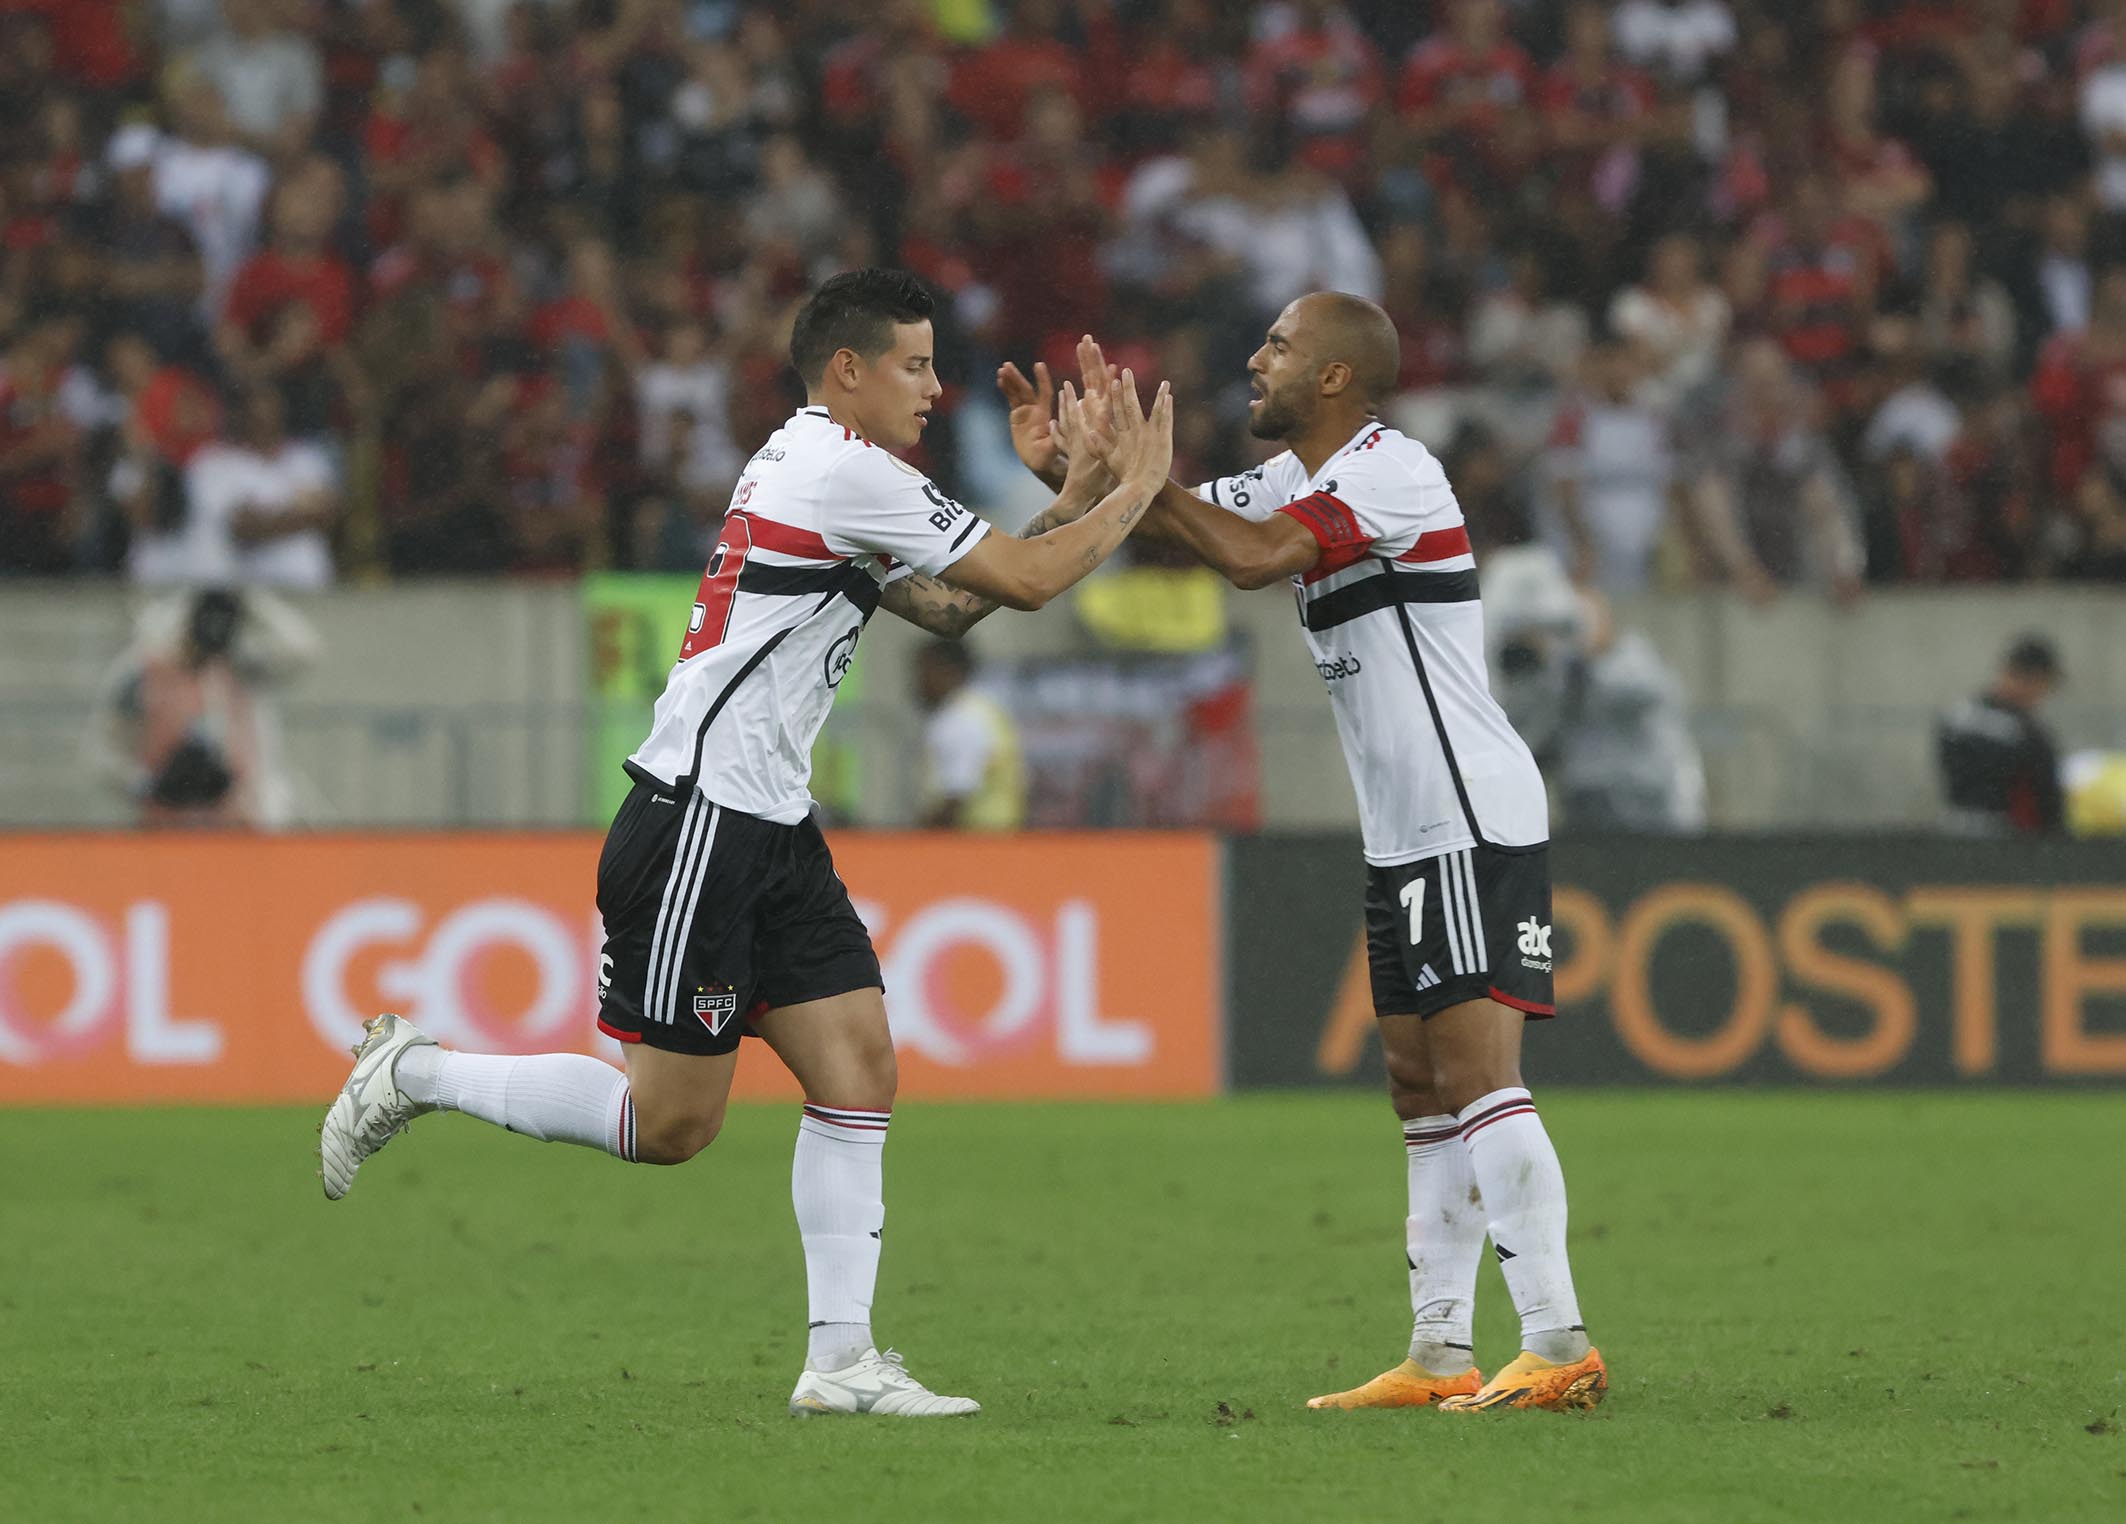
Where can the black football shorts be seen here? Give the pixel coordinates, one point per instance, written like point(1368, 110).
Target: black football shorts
point(1467, 925)
point(713, 916)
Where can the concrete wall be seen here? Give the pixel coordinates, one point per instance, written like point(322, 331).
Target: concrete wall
point(458, 702)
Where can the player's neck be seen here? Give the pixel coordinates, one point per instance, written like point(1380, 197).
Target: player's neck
point(840, 411)
point(1328, 433)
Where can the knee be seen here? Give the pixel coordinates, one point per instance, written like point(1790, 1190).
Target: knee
point(866, 1079)
point(676, 1137)
point(1411, 1090)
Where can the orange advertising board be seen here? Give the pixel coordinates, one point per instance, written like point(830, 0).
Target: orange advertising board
point(239, 968)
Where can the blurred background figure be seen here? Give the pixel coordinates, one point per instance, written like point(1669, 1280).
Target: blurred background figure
point(1597, 705)
point(974, 778)
point(186, 726)
point(2000, 770)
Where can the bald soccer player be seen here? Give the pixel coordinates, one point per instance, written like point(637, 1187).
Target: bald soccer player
point(1456, 827)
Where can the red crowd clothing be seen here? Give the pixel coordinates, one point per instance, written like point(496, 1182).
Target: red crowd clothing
point(273, 281)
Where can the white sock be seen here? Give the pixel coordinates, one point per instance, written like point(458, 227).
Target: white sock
point(1445, 1239)
point(837, 1183)
point(554, 1097)
point(1524, 1189)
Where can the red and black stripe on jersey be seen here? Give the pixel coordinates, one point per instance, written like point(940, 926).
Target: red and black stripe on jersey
point(1344, 545)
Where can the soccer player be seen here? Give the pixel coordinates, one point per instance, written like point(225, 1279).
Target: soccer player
point(1362, 521)
point(723, 915)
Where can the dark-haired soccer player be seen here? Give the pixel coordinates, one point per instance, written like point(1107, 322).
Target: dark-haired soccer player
point(1362, 522)
point(723, 915)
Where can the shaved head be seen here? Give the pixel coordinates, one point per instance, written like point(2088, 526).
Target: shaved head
point(1335, 326)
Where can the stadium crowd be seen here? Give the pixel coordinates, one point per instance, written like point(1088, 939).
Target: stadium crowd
point(1807, 294)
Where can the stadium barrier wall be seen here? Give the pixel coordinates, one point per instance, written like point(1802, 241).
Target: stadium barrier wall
point(1837, 962)
point(229, 968)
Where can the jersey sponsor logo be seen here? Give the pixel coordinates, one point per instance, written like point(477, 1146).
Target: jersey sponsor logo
point(1535, 945)
point(716, 1008)
point(767, 454)
point(840, 655)
point(1240, 494)
point(948, 512)
point(1339, 669)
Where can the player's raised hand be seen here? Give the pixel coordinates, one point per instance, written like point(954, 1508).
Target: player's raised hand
point(1098, 379)
point(1032, 403)
point(1085, 448)
point(1143, 448)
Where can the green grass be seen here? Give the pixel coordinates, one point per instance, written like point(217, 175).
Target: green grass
point(1814, 1307)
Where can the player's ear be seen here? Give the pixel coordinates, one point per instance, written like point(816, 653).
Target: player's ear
point(1335, 378)
point(847, 367)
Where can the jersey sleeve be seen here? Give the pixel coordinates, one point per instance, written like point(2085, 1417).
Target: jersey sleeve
point(1254, 494)
point(878, 505)
point(1384, 505)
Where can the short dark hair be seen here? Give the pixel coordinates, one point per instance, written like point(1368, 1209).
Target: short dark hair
point(855, 310)
point(2034, 655)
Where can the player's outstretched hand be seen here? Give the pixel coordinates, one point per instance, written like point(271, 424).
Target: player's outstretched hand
point(1143, 449)
point(1033, 434)
point(1097, 380)
point(1083, 447)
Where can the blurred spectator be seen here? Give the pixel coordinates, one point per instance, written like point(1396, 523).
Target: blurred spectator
point(1683, 39)
point(1525, 335)
point(259, 508)
point(40, 450)
point(974, 778)
point(2060, 290)
point(204, 178)
point(1463, 99)
point(1596, 110)
point(1963, 315)
point(291, 309)
point(2000, 771)
point(269, 74)
point(1314, 68)
point(1676, 321)
point(168, 415)
point(1879, 178)
point(2103, 118)
point(1505, 175)
point(185, 724)
point(1612, 475)
point(152, 274)
point(1768, 496)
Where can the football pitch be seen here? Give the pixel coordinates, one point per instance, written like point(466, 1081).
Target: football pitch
point(1815, 1306)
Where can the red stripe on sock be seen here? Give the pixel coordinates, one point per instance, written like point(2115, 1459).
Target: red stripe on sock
point(1439, 1136)
point(1523, 1099)
point(1523, 1108)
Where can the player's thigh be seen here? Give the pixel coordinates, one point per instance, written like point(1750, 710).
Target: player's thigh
point(839, 1047)
point(1475, 1048)
point(679, 1100)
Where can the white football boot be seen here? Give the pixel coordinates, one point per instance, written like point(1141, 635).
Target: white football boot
point(370, 1110)
point(877, 1383)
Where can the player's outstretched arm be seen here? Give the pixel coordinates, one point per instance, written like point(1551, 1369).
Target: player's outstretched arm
point(943, 609)
point(1026, 574)
point(1246, 552)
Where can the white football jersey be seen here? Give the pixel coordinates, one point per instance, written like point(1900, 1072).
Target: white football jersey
point(820, 522)
point(1391, 614)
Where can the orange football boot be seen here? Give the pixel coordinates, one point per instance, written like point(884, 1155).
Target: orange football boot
point(1533, 1382)
point(1409, 1385)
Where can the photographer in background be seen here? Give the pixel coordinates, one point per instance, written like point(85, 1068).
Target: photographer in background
point(1597, 705)
point(184, 724)
point(2000, 771)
